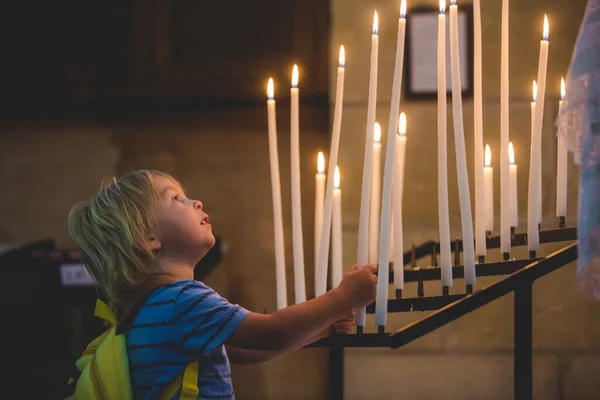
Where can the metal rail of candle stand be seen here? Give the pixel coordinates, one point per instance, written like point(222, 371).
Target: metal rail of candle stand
point(521, 275)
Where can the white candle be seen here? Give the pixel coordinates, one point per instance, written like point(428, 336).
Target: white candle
point(365, 197)
point(276, 192)
point(533, 205)
point(388, 172)
point(561, 165)
point(375, 196)
point(514, 203)
point(539, 166)
point(488, 188)
point(333, 155)
point(298, 246)
point(319, 200)
point(398, 192)
point(480, 243)
point(461, 161)
point(336, 238)
point(504, 133)
point(443, 214)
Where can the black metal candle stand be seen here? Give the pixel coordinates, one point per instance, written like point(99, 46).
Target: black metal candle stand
point(517, 275)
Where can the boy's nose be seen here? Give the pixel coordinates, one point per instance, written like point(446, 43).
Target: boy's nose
point(198, 204)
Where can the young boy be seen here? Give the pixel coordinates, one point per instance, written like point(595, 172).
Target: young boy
point(143, 228)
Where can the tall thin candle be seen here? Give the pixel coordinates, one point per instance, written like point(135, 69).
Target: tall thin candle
point(367, 175)
point(319, 200)
point(397, 194)
point(336, 238)
point(461, 161)
point(533, 236)
point(480, 243)
point(298, 246)
point(443, 213)
point(504, 132)
point(388, 172)
point(276, 193)
point(561, 165)
point(514, 203)
point(333, 155)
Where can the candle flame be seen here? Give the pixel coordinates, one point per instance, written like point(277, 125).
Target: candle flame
point(442, 6)
point(375, 24)
point(336, 178)
point(342, 59)
point(403, 9)
point(534, 90)
point(270, 89)
point(402, 124)
point(377, 133)
point(546, 28)
point(320, 163)
point(511, 154)
point(295, 76)
point(488, 156)
point(452, 2)
point(563, 91)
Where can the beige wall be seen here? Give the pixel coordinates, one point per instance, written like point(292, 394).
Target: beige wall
point(470, 358)
point(46, 167)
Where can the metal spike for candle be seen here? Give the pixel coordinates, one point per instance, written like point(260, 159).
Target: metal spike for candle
point(420, 286)
point(481, 259)
point(398, 294)
point(561, 222)
point(488, 234)
point(506, 256)
point(512, 231)
point(434, 262)
point(469, 289)
point(445, 290)
point(380, 329)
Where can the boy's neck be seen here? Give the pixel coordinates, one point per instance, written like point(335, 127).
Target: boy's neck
point(177, 269)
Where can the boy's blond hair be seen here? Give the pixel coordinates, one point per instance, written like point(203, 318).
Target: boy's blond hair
point(113, 232)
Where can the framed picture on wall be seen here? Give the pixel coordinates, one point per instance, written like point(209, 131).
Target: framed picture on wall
point(420, 73)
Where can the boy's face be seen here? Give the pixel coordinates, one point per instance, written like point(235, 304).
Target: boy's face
point(182, 227)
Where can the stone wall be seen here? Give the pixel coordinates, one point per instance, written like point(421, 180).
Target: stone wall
point(471, 358)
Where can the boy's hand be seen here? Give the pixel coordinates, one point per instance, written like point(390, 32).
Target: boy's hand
point(344, 325)
point(359, 286)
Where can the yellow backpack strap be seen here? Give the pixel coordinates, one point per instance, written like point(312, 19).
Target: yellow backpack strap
point(187, 381)
point(104, 312)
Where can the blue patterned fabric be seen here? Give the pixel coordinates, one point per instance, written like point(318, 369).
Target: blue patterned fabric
point(579, 122)
point(178, 323)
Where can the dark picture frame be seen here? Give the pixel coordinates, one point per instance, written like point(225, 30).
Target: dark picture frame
point(420, 73)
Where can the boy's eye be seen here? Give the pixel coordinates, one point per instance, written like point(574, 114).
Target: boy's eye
point(176, 198)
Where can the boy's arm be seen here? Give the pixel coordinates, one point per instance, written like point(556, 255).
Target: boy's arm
point(240, 356)
point(295, 326)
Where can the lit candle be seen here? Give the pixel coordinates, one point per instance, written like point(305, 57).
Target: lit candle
point(276, 192)
point(480, 243)
point(375, 196)
point(319, 199)
point(388, 174)
point(461, 161)
point(504, 129)
point(539, 166)
point(535, 185)
point(488, 188)
point(514, 203)
point(333, 155)
point(561, 165)
point(336, 238)
point(398, 191)
point(443, 214)
point(298, 246)
point(364, 221)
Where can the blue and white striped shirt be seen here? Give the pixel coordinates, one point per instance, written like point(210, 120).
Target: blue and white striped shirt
point(178, 323)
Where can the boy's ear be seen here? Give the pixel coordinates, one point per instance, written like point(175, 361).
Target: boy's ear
point(155, 245)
